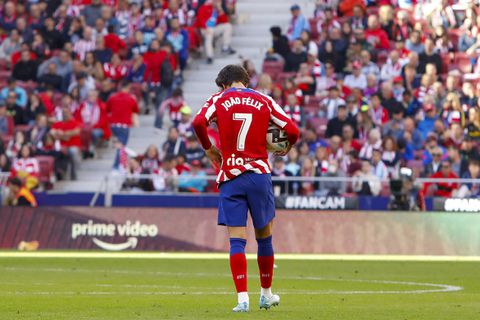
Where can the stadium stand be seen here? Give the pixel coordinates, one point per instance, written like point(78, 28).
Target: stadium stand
point(373, 88)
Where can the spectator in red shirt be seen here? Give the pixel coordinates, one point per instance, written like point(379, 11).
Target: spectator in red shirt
point(67, 132)
point(154, 60)
point(443, 189)
point(122, 107)
point(376, 35)
point(113, 42)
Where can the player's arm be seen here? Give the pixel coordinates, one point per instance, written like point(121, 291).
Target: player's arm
point(200, 125)
point(282, 120)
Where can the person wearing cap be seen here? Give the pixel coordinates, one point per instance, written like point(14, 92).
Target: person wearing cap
point(185, 124)
point(356, 79)
point(298, 23)
point(193, 180)
point(427, 124)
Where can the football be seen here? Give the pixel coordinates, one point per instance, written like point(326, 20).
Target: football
point(276, 139)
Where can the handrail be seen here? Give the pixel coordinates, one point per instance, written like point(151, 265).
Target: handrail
point(308, 179)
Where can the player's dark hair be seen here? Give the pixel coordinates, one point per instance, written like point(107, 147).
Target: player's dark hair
point(230, 74)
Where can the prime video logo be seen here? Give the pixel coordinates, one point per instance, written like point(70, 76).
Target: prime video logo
point(127, 229)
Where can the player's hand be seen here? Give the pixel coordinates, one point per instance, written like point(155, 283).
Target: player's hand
point(215, 156)
point(283, 153)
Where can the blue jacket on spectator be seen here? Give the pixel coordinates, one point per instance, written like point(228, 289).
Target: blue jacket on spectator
point(427, 125)
point(21, 96)
point(300, 24)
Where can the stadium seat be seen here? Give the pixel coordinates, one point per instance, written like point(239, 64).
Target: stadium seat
point(319, 125)
point(136, 90)
point(23, 128)
point(446, 62)
point(464, 64)
point(86, 139)
point(273, 68)
point(314, 29)
point(47, 172)
point(284, 76)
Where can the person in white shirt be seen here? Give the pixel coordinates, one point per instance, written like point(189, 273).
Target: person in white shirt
point(357, 79)
point(331, 102)
point(368, 66)
point(393, 67)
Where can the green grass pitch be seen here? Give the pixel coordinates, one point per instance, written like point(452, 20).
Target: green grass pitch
point(82, 288)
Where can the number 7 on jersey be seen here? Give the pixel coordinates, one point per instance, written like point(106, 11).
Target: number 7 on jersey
point(246, 119)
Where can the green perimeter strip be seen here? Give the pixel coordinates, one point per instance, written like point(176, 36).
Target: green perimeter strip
point(161, 255)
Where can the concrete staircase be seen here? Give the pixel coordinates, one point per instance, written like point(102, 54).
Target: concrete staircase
point(251, 39)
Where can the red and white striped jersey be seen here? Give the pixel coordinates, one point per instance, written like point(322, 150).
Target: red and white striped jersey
point(242, 116)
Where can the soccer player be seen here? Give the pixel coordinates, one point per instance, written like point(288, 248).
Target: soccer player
point(242, 116)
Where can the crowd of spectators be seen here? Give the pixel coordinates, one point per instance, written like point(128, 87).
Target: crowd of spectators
point(377, 85)
point(75, 74)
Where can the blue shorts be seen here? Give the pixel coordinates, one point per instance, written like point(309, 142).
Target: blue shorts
point(247, 192)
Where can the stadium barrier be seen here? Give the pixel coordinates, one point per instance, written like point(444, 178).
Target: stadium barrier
point(110, 194)
point(195, 230)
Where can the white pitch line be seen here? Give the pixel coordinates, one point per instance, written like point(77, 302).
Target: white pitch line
point(436, 288)
point(224, 256)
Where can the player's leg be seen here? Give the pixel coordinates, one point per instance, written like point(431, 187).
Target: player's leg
point(265, 258)
point(232, 212)
point(238, 265)
point(262, 208)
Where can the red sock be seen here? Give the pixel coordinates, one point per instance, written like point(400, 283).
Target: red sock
point(265, 265)
point(238, 265)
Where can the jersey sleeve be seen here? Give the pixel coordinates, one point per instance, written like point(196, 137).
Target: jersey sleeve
point(282, 120)
point(206, 115)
